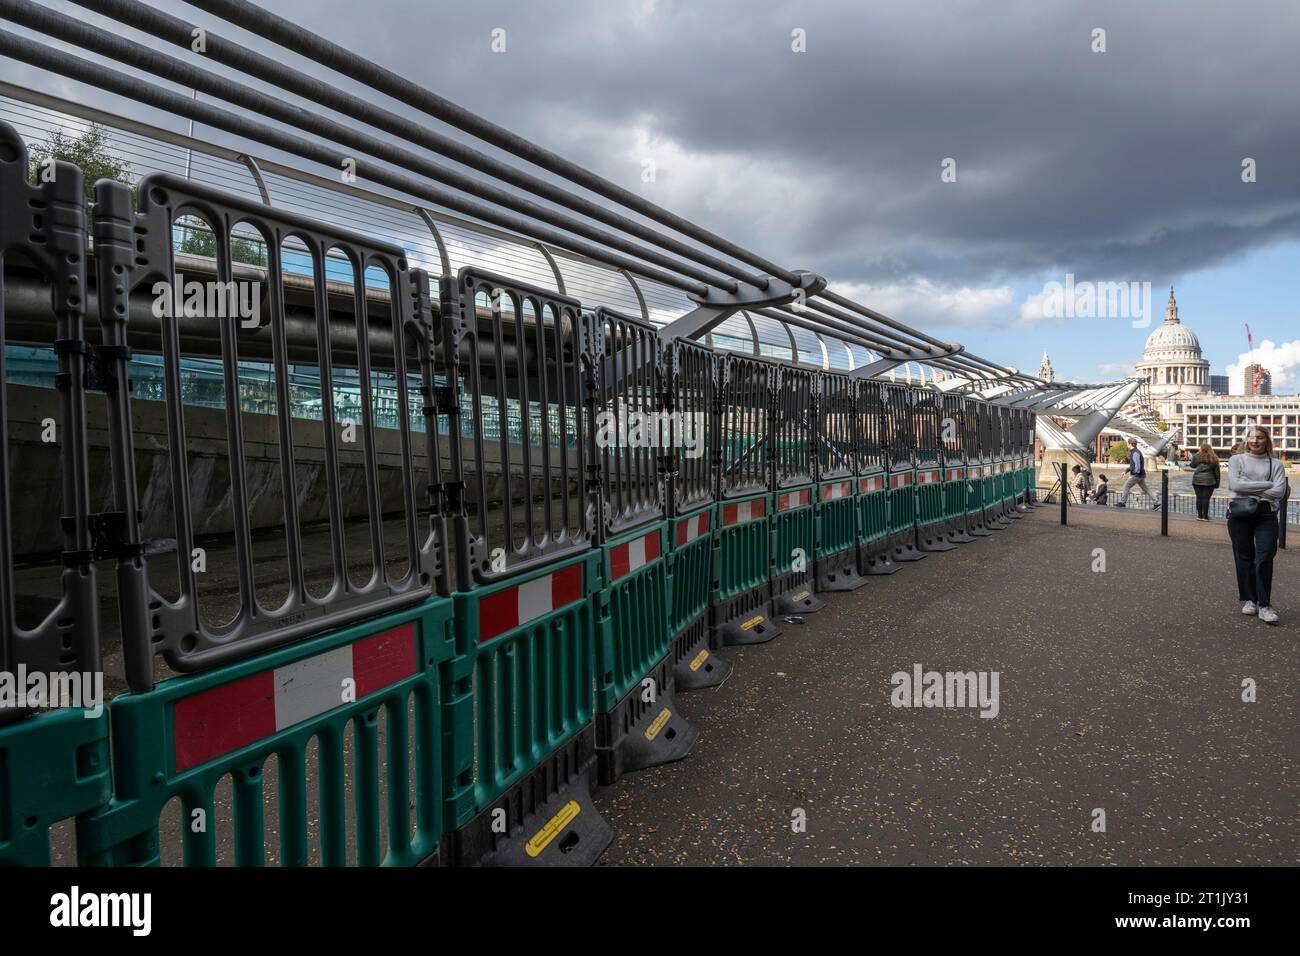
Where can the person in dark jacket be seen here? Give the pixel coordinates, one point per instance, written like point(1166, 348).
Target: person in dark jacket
point(1205, 478)
point(1137, 475)
point(1103, 490)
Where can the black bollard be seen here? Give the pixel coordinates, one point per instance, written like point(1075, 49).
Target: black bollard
point(1281, 533)
point(1164, 503)
point(1064, 491)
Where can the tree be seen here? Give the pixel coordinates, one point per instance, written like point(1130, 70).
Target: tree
point(91, 152)
point(198, 240)
point(1118, 453)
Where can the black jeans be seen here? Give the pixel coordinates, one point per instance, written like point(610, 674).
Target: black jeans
point(1203, 493)
point(1254, 543)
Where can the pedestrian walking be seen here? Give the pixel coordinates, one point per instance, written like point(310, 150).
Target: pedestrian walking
point(1137, 476)
point(1205, 478)
point(1257, 481)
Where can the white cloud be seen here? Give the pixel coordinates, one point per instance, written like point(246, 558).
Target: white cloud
point(1282, 361)
point(1034, 310)
point(1109, 371)
point(923, 303)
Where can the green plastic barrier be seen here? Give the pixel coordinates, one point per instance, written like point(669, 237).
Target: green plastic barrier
point(744, 553)
point(519, 710)
point(542, 623)
point(873, 508)
point(989, 496)
point(929, 495)
point(632, 608)
point(902, 501)
point(637, 722)
point(955, 492)
point(53, 766)
point(182, 738)
point(742, 575)
point(690, 568)
point(794, 545)
point(690, 589)
point(837, 525)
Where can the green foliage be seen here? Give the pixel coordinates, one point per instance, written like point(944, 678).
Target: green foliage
point(1118, 453)
point(198, 240)
point(91, 152)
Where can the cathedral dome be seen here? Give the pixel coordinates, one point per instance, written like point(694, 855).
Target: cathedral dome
point(1171, 336)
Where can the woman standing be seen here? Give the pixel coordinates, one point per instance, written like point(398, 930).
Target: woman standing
point(1257, 481)
point(1205, 479)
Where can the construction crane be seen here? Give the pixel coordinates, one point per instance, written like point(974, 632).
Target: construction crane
point(1253, 365)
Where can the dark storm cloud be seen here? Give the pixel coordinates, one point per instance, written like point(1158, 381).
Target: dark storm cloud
point(1123, 164)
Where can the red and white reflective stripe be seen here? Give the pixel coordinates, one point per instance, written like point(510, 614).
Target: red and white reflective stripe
point(874, 483)
point(927, 477)
point(900, 480)
point(743, 511)
point(954, 474)
point(837, 490)
point(633, 556)
point(516, 606)
point(793, 499)
point(219, 721)
point(688, 529)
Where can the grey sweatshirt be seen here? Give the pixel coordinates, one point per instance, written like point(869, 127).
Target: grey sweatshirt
point(1256, 476)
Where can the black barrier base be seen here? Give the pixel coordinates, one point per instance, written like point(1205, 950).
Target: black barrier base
point(697, 665)
point(802, 601)
point(876, 559)
point(839, 572)
point(933, 537)
point(795, 595)
point(955, 531)
point(548, 818)
point(746, 620)
point(994, 521)
point(976, 526)
point(902, 546)
point(639, 733)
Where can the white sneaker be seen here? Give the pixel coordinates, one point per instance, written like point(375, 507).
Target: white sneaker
point(1268, 615)
point(1250, 607)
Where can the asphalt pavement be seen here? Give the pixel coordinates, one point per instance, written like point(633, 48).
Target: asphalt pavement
point(1120, 691)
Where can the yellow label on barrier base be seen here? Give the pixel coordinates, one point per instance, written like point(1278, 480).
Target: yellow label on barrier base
point(800, 596)
point(653, 730)
point(753, 622)
point(554, 826)
point(700, 658)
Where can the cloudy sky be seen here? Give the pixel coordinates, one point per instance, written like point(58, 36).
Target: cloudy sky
point(1115, 166)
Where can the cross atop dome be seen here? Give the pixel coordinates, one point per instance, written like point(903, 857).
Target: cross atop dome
point(1171, 309)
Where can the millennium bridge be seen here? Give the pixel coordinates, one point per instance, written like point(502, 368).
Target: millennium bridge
point(407, 493)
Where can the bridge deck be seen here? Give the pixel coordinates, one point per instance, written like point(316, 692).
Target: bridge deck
point(1119, 690)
